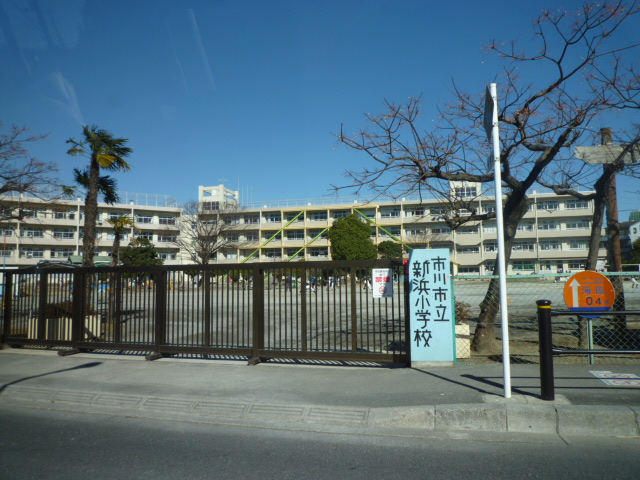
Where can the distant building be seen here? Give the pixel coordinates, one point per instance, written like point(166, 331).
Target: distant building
point(552, 237)
point(53, 230)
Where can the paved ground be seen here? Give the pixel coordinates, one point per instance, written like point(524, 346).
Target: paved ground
point(442, 398)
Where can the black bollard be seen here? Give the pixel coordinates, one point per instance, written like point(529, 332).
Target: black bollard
point(546, 355)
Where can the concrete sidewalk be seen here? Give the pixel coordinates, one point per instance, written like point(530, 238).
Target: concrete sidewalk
point(223, 391)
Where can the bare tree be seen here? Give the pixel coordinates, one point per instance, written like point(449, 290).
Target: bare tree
point(20, 173)
point(203, 233)
point(582, 77)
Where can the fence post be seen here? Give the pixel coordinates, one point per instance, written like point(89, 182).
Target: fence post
point(258, 315)
point(546, 355)
point(42, 308)
point(78, 306)
point(161, 310)
point(7, 299)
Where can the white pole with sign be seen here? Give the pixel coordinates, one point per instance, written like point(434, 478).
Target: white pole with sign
point(492, 128)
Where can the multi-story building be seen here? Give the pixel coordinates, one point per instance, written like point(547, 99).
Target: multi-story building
point(52, 230)
point(552, 237)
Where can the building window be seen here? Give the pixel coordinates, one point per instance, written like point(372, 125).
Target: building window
point(340, 213)
point(525, 227)
point(489, 208)
point(415, 231)
point(7, 231)
point(32, 253)
point(521, 265)
point(576, 266)
point(64, 233)
point(322, 252)
point(523, 247)
point(491, 247)
point(266, 235)
point(293, 251)
point(272, 253)
point(314, 233)
point(291, 215)
point(251, 236)
point(548, 205)
point(272, 217)
point(466, 191)
point(166, 255)
point(416, 212)
point(318, 216)
point(390, 231)
point(550, 245)
point(144, 218)
point(231, 254)
point(577, 204)
point(440, 230)
point(467, 230)
point(210, 206)
point(367, 214)
point(6, 251)
point(64, 215)
point(438, 211)
point(578, 225)
point(30, 232)
point(167, 220)
point(252, 219)
point(61, 252)
point(147, 235)
point(469, 270)
point(578, 245)
point(548, 225)
point(489, 228)
point(295, 235)
point(390, 212)
point(171, 238)
point(466, 250)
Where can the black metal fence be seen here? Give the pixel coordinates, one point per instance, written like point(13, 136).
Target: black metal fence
point(312, 310)
point(547, 349)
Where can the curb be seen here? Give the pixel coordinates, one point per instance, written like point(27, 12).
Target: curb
point(584, 420)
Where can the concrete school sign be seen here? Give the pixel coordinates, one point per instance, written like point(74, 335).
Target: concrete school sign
point(431, 307)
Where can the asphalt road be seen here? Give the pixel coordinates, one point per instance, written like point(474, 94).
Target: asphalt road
point(58, 445)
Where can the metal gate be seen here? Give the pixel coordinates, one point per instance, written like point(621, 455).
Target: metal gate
point(303, 310)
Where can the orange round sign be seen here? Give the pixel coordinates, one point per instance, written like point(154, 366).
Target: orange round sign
point(589, 292)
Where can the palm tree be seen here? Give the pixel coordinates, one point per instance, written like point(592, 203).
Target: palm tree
point(107, 186)
point(105, 152)
point(120, 226)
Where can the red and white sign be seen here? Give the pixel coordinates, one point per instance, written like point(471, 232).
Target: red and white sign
point(382, 282)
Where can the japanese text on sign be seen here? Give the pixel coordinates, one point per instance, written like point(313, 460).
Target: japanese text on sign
point(382, 282)
point(431, 302)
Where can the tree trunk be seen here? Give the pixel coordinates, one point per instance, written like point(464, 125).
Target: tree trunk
point(91, 214)
point(484, 340)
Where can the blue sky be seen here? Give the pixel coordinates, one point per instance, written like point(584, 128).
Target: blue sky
point(245, 93)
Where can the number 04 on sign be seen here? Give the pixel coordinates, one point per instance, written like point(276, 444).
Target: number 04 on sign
point(589, 292)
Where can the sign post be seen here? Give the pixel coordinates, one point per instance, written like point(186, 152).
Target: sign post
point(492, 128)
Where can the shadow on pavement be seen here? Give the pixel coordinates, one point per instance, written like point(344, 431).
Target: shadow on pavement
point(85, 365)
